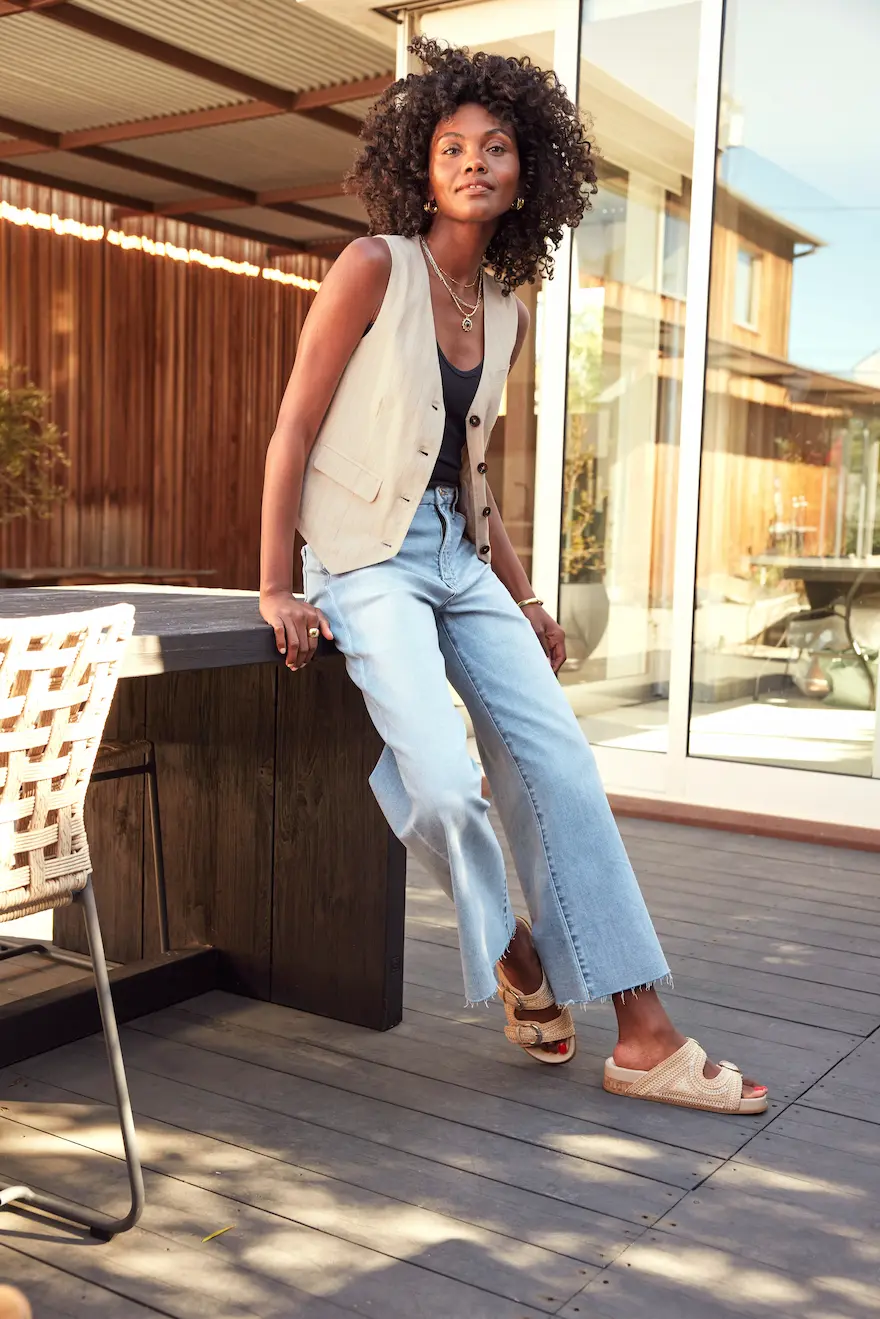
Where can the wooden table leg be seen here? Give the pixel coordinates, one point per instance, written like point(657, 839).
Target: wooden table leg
point(340, 874)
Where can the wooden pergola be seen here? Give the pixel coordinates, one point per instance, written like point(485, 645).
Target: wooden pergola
point(120, 100)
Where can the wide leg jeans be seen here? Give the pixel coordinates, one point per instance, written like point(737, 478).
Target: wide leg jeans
point(436, 614)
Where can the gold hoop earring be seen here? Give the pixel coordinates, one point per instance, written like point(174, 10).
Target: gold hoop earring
point(431, 207)
point(518, 204)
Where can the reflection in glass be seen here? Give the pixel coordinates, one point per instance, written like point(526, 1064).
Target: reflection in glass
point(627, 324)
point(787, 622)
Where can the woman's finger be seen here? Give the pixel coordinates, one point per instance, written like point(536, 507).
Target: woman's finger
point(324, 625)
point(313, 632)
point(298, 650)
point(558, 654)
point(280, 637)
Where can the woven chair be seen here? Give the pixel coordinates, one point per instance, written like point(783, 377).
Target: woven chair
point(57, 679)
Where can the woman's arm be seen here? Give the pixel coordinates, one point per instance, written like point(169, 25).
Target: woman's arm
point(348, 300)
point(505, 561)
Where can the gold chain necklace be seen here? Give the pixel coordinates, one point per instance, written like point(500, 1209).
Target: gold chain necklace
point(467, 313)
point(465, 284)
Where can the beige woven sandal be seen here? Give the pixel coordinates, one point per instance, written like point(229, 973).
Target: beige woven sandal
point(530, 1035)
point(679, 1080)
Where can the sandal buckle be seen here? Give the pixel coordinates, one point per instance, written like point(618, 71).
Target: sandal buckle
point(533, 1026)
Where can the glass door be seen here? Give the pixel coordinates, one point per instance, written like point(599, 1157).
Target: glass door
point(638, 71)
point(787, 615)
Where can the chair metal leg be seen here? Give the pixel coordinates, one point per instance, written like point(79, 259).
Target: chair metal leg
point(100, 1225)
point(158, 853)
point(14, 947)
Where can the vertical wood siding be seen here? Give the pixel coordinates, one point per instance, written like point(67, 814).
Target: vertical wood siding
point(165, 378)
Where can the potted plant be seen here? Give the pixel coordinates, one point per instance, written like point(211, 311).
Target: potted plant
point(31, 450)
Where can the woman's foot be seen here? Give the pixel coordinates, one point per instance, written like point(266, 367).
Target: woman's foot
point(647, 1037)
point(523, 969)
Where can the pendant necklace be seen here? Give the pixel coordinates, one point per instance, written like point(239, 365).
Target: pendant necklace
point(467, 313)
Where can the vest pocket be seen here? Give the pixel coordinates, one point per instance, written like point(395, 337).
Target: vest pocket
point(347, 472)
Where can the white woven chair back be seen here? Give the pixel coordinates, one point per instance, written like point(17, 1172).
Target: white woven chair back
point(57, 679)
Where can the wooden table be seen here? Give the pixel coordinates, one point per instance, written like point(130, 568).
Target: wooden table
point(284, 881)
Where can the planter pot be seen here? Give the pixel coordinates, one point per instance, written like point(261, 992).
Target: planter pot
point(583, 609)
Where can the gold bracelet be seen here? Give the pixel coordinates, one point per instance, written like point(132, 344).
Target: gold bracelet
point(532, 600)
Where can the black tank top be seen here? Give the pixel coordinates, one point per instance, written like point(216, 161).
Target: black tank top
point(459, 390)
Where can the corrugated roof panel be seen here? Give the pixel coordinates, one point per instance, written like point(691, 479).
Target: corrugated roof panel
point(349, 207)
point(259, 154)
point(276, 40)
point(60, 79)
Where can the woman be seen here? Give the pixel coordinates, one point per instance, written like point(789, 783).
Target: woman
point(469, 172)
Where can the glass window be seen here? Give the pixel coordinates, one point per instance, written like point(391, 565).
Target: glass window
point(747, 288)
point(629, 278)
point(787, 624)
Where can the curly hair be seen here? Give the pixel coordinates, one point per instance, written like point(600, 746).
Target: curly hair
point(557, 175)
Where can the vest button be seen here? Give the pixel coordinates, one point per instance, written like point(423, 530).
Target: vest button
point(484, 549)
point(486, 511)
point(474, 420)
point(481, 468)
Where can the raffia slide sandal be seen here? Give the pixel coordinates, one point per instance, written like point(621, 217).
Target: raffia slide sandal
point(530, 1035)
point(679, 1080)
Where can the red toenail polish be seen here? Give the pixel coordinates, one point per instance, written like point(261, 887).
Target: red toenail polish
point(563, 1047)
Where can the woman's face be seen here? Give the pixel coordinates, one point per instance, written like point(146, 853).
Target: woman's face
point(473, 170)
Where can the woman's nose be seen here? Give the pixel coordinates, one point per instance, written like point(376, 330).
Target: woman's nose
point(475, 167)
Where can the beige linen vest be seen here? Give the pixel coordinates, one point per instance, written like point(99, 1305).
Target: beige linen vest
point(379, 441)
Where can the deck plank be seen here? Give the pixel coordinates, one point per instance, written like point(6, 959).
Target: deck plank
point(230, 1165)
point(267, 1265)
point(434, 1170)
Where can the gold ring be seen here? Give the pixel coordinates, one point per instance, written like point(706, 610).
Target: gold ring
point(314, 631)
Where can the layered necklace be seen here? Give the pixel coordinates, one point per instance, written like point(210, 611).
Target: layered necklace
point(467, 313)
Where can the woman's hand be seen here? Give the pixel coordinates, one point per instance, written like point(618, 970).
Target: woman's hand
point(296, 624)
point(549, 633)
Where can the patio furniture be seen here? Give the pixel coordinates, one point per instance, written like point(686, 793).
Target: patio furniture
point(58, 675)
point(284, 882)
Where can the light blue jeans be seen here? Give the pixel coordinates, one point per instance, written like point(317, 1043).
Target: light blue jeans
point(433, 612)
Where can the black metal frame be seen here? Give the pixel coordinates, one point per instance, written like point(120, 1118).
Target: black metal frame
point(148, 770)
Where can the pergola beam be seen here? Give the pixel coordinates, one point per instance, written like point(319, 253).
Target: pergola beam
point(140, 206)
point(134, 205)
point(316, 104)
point(289, 246)
point(9, 7)
point(200, 183)
point(305, 193)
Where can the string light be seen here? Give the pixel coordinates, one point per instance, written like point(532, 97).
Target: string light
point(88, 233)
point(92, 233)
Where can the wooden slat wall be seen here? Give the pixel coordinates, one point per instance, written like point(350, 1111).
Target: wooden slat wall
point(166, 378)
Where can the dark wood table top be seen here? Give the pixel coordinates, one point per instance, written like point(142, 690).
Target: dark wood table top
point(175, 628)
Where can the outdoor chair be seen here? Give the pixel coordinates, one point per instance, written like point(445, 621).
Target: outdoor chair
point(57, 679)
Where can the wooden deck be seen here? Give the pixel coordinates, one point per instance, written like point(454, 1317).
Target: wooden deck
point(435, 1172)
